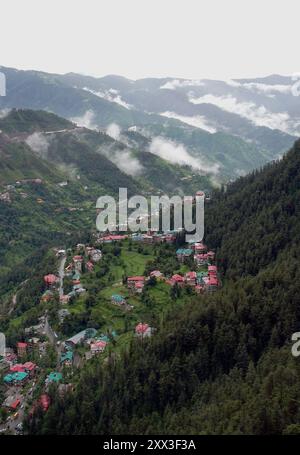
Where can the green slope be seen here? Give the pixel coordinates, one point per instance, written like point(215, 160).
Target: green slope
point(222, 363)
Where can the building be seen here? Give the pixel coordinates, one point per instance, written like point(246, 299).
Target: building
point(66, 358)
point(190, 278)
point(212, 270)
point(89, 266)
point(21, 349)
point(118, 299)
point(199, 289)
point(80, 337)
point(201, 258)
point(211, 255)
point(12, 402)
point(211, 283)
point(98, 347)
point(95, 255)
point(147, 238)
point(50, 280)
point(77, 260)
point(200, 277)
point(176, 279)
point(17, 378)
point(136, 283)
point(27, 367)
point(44, 402)
point(53, 377)
point(143, 330)
point(137, 237)
point(17, 368)
point(183, 253)
point(199, 247)
point(112, 238)
point(156, 274)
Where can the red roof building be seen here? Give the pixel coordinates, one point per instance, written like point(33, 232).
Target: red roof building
point(136, 278)
point(133, 280)
point(15, 404)
point(21, 348)
point(98, 346)
point(199, 247)
point(90, 266)
point(201, 258)
point(212, 270)
point(141, 328)
point(29, 366)
point(199, 289)
point(17, 368)
point(190, 278)
point(156, 273)
point(177, 278)
point(50, 279)
point(44, 402)
point(213, 281)
point(77, 258)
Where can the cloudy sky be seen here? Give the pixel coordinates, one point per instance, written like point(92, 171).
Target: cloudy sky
point(141, 38)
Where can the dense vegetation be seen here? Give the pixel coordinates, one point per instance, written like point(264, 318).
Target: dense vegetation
point(222, 363)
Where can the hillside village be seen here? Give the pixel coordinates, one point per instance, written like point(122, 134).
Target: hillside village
point(45, 356)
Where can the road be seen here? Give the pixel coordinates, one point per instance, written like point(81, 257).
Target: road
point(61, 274)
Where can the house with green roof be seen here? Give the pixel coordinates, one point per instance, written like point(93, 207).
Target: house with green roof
point(67, 358)
point(200, 277)
point(118, 299)
point(54, 376)
point(17, 378)
point(183, 253)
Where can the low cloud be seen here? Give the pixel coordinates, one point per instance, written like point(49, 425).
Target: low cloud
point(39, 144)
point(268, 88)
point(124, 160)
point(178, 83)
point(198, 121)
point(87, 120)
point(128, 163)
point(258, 115)
point(177, 154)
point(4, 113)
point(111, 95)
point(69, 170)
point(113, 130)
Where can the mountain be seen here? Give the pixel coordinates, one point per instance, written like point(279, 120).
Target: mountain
point(52, 172)
point(220, 364)
point(250, 108)
point(234, 125)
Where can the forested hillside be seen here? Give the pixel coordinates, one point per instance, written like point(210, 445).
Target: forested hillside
point(52, 172)
point(222, 363)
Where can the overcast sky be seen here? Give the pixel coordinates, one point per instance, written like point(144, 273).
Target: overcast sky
point(152, 38)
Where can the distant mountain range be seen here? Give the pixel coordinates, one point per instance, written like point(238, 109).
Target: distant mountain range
point(222, 129)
